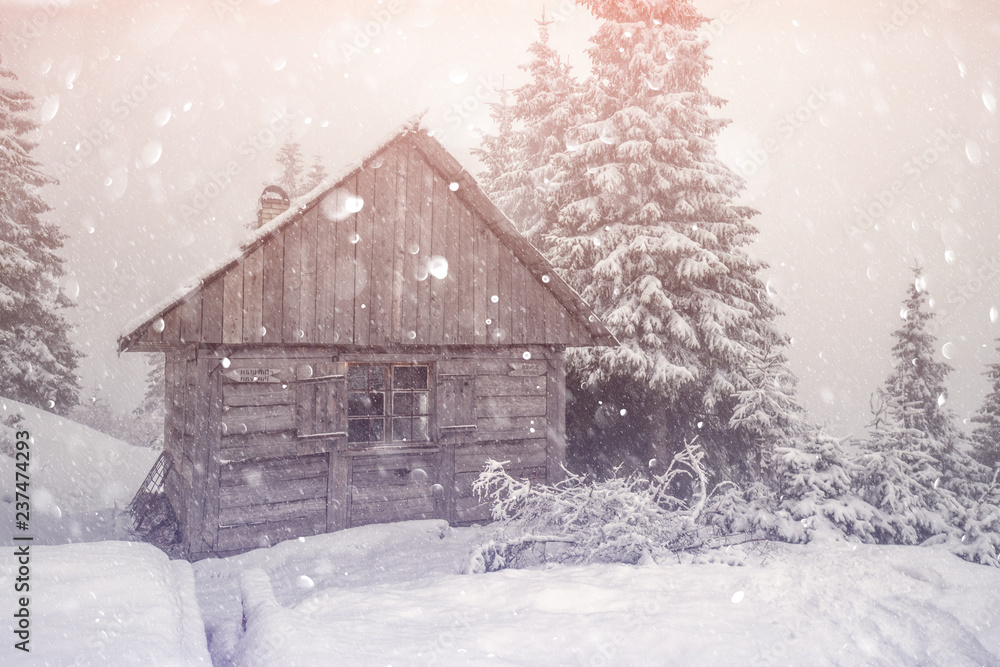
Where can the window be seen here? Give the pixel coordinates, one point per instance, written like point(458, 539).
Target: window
point(387, 403)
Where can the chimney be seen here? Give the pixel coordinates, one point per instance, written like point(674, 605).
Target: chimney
point(273, 202)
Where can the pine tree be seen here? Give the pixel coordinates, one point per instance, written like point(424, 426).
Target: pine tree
point(637, 214)
point(37, 362)
point(530, 131)
point(814, 481)
point(914, 468)
point(917, 379)
point(986, 435)
point(289, 158)
point(317, 174)
point(152, 411)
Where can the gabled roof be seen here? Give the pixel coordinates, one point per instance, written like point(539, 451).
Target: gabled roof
point(461, 208)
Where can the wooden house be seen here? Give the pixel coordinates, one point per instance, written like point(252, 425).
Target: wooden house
point(361, 356)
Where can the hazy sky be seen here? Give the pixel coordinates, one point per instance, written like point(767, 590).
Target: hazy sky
point(837, 109)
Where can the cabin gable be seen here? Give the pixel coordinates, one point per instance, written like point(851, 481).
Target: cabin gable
point(393, 255)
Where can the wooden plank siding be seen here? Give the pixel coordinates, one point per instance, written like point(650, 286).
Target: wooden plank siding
point(308, 332)
point(291, 284)
point(365, 221)
point(422, 278)
point(344, 249)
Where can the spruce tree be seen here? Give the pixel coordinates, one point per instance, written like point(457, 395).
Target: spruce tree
point(37, 361)
point(914, 468)
point(918, 379)
point(637, 213)
point(289, 158)
point(317, 174)
point(986, 435)
point(151, 413)
point(530, 131)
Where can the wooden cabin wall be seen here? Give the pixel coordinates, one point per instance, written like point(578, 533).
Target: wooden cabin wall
point(261, 481)
point(268, 488)
point(180, 382)
point(337, 277)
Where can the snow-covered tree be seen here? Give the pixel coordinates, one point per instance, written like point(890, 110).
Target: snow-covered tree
point(900, 475)
point(530, 131)
point(814, 481)
point(986, 434)
point(918, 380)
point(317, 174)
point(635, 210)
point(915, 468)
point(289, 158)
point(151, 413)
point(37, 361)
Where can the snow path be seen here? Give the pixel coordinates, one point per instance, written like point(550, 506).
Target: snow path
point(393, 595)
point(390, 554)
point(107, 603)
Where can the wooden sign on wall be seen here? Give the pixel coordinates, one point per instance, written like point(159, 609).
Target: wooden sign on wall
point(254, 375)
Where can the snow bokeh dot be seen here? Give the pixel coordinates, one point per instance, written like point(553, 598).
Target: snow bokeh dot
point(162, 117)
point(437, 266)
point(151, 153)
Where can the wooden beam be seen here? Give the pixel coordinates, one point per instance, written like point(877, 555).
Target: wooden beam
point(555, 433)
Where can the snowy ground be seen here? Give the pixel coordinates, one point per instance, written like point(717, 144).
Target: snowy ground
point(80, 480)
point(105, 603)
point(394, 594)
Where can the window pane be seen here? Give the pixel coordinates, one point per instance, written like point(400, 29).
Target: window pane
point(376, 377)
point(376, 430)
point(402, 403)
point(409, 377)
point(401, 429)
point(357, 377)
point(372, 403)
point(421, 403)
point(421, 429)
point(357, 430)
point(357, 404)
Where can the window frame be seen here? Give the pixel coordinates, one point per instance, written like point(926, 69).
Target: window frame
point(389, 392)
